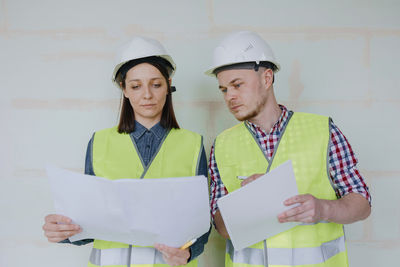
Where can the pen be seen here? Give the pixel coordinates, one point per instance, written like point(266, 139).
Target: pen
point(188, 244)
point(242, 177)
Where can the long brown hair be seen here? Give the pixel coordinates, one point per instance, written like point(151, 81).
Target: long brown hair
point(127, 117)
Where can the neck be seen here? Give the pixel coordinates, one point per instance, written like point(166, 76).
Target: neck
point(148, 124)
point(269, 115)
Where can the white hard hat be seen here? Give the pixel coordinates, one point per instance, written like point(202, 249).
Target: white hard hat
point(241, 47)
point(140, 47)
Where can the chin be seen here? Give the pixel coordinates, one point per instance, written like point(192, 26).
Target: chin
point(240, 117)
point(244, 117)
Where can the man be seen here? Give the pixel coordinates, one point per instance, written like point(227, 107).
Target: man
point(332, 191)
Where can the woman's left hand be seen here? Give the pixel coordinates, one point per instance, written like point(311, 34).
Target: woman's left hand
point(173, 256)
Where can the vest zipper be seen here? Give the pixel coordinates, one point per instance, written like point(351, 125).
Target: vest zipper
point(146, 167)
point(265, 253)
point(128, 264)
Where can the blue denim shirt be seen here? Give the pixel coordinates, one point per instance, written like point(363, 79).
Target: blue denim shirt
point(147, 142)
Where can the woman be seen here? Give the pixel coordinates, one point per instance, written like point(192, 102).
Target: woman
point(147, 143)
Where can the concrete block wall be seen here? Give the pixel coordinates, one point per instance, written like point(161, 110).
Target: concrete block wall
point(338, 58)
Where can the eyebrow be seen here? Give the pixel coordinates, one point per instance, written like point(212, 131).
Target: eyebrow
point(231, 82)
point(138, 80)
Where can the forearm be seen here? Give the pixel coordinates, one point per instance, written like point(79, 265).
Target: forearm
point(220, 225)
point(78, 242)
point(198, 247)
point(348, 209)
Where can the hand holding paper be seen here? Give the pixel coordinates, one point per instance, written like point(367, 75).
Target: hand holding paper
point(310, 209)
point(57, 228)
point(251, 178)
point(173, 256)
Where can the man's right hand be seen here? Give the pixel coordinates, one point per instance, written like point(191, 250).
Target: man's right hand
point(57, 228)
point(251, 178)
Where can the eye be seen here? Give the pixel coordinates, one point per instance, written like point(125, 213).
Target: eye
point(135, 86)
point(224, 90)
point(157, 85)
point(237, 85)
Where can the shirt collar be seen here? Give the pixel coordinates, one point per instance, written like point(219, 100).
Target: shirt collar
point(278, 126)
point(158, 130)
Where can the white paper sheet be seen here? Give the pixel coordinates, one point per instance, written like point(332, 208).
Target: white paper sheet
point(142, 212)
point(250, 213)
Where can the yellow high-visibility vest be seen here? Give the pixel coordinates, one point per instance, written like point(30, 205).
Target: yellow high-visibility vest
point(115, 156)
point(305, 142)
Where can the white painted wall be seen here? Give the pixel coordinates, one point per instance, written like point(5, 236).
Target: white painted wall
point(338, 58)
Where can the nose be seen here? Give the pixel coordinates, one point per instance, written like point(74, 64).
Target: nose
point(147, 94)
point(230, 94)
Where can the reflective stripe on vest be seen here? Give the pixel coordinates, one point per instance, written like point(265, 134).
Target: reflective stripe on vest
point(126, 256)
point(287, 256)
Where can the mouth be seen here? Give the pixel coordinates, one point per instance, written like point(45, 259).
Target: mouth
point(148, 105)
point(235, 107)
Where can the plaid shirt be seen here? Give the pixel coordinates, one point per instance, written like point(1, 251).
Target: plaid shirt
point(342, 161)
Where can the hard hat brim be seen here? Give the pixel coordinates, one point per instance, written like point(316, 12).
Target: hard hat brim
point(117, 68)
point(211, 71)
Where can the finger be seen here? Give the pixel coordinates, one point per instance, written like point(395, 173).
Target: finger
point(283, 217)
point(176, 261)
point(171, 251)
point(303, 217)
point(60, 235)
point(296, 199)
point(257, 175)
point(302, 213)
point(166, 257)
point(57, 237)
point(293, 211)
point(251, 178)
point(60, 227)
point(57, 218)
point(162, 249)
point(247, 181)
point(63, 235)
point(55, 240)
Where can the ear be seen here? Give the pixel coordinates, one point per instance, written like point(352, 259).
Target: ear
point(268, 77)
point(170, 84)
point(123, 90)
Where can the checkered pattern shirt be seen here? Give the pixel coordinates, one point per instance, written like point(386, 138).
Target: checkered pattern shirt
point(342, 161)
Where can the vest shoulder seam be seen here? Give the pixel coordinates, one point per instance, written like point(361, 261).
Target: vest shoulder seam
point(310, 115)
point(230, 130)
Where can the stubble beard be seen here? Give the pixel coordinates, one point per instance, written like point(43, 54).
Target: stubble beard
point(252, 113)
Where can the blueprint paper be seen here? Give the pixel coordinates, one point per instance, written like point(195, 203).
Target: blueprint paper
point(250, 213)
point(142, 212)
